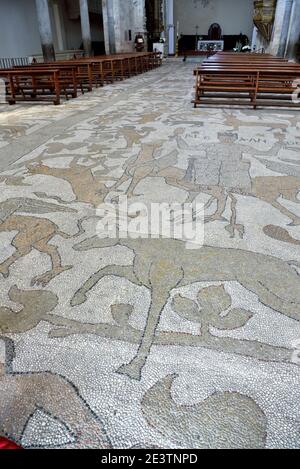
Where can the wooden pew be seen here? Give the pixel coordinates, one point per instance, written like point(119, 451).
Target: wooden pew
point(272, 87)
point(68, 77)
point(32, 85)
point(48, 81)
point(255, 81)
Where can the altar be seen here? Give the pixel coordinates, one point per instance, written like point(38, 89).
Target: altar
point(210, 43)
point(210, 46)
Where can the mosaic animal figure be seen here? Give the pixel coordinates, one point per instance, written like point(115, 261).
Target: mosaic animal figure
point(270, 188)
point(280, 234)
point(27, 394)
point(32, 233)
point(207, 312)
point(283, 121)
point(164, 264)
point(146, 164)
point(150, 162)
point(87, 187)
point(13, 180)
point(232, 120)
point(222, 173)
point(132, 135)
point(13, 131)
point(219, 171)
point(35, 306)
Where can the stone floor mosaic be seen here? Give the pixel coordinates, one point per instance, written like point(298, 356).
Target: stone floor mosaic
point(142, 343)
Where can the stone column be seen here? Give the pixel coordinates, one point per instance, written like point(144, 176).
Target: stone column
point(105, 26)
point(111, 26)
point(85, 27)
point(294, 37)
point(157, 15)
point(171, 26)
point(254, 39)
point(139, 11)
point(281, 27)
point(285, 28)
point(58, 25)
point(43, 15)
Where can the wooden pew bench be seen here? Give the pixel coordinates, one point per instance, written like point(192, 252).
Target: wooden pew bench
point(50, 81)
point(32, 85)
point(220, 86)
point(255, 83)
point(67, 77)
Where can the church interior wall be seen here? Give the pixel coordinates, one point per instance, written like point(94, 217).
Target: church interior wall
point(234, 16)
point(19, 32)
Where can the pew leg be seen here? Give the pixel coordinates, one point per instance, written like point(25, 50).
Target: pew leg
point(254, 102)
point(57, 88)
point(12, 99)
point(75, 86)
point(66, 94)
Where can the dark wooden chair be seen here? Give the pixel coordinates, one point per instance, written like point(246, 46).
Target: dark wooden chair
point(215, 32)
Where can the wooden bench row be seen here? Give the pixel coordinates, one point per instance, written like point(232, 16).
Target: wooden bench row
point(50, 81)
point(247, 79)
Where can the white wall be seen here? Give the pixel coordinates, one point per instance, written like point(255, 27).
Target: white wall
point(234, 16)
point(19, 34)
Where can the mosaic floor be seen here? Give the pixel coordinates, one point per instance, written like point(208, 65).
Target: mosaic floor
point(132, 343)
